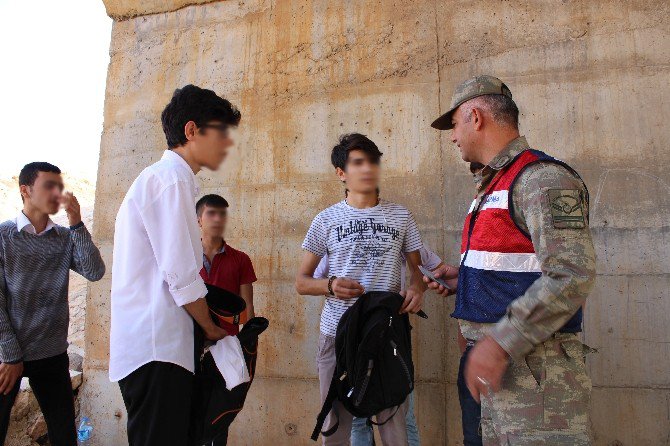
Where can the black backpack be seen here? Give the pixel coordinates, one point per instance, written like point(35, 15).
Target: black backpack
point(374, 369)
point(214, 406)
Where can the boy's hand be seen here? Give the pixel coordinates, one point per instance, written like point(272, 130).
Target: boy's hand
point(9, 373)
point(71, 206)
point(413, 300)
point(344, 288)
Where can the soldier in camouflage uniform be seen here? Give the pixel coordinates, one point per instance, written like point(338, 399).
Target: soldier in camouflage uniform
point(527, 266)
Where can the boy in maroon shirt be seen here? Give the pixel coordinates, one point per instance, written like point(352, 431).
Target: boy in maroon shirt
point(224, 266)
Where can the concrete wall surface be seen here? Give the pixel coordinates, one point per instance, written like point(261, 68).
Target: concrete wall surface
point(590, 77)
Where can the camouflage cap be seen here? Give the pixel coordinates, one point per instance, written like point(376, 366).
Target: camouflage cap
point(469, 89)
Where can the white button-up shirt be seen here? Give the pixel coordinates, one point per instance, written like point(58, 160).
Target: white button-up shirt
point(156, 270)
point(24, 224)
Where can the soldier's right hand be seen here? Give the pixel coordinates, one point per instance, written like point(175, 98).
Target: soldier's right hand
point(450, 275)
point(344, 288)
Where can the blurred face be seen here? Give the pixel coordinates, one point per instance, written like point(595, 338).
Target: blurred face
point(212, 142)
point(213, 221)
point(361, 173)
point(45, 193)
point(464, 134)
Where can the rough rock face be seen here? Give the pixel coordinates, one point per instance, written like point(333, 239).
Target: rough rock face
point(27, 426)
point(591, 79)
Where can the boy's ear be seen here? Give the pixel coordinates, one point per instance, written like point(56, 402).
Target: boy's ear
point(190, 129)
point(341, 174)
point(25, 191)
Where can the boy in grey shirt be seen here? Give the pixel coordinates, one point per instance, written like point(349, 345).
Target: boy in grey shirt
point(36, 257)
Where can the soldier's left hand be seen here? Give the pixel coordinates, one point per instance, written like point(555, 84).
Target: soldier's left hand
point(71, 206)
point(485, 367)
point(448, 273)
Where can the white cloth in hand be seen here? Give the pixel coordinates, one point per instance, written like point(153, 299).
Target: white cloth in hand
point(229, 359)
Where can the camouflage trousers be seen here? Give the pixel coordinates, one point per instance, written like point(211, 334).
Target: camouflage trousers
point(544, 400)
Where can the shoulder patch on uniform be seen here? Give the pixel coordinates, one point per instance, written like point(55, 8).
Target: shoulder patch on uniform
point(567, 209)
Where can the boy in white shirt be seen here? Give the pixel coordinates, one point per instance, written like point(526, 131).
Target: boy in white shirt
point(157, 291)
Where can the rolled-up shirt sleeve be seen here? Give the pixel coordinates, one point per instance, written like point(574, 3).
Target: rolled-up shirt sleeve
point(172, 227)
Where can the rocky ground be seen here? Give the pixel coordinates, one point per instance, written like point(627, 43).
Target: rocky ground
point(27, 427)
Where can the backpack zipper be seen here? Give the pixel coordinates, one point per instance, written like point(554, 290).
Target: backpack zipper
point(364, 385)
point(402, 362)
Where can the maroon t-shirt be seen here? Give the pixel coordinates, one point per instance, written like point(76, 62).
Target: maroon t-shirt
point(230, 269)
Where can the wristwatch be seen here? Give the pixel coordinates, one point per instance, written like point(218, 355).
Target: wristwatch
point(330, 284)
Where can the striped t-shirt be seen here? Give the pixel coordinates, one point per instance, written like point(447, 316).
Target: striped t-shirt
point(365, 245)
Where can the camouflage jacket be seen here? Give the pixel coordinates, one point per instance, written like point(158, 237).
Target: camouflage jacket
point(565, 251)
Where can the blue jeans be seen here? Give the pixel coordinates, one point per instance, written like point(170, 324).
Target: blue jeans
point(362, 435)
point(471, 411)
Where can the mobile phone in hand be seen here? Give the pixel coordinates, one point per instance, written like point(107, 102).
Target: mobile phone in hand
point(426, 272)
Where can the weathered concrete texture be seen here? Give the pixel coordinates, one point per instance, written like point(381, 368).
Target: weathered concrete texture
point(631, 416)
point(591, 80)
point(101, 401)
point(125, 9)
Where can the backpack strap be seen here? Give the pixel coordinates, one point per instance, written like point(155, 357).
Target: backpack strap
point(325, 409)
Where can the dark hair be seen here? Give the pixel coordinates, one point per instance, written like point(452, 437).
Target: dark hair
point(353, 141)
point(195, 104)
point(211, 200)
point(30, 171)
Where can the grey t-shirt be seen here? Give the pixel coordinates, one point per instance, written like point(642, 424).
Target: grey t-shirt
point(365, 245)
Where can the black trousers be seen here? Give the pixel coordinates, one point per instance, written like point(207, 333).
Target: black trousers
point(158, 399)
point(471, 411)
point(222, 440)
point(50, 380)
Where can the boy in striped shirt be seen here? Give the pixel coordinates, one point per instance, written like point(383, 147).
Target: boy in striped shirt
point(361, 433)
point(365, 239)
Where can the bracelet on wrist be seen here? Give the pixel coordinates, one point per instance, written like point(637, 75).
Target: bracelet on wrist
point(330, 285)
